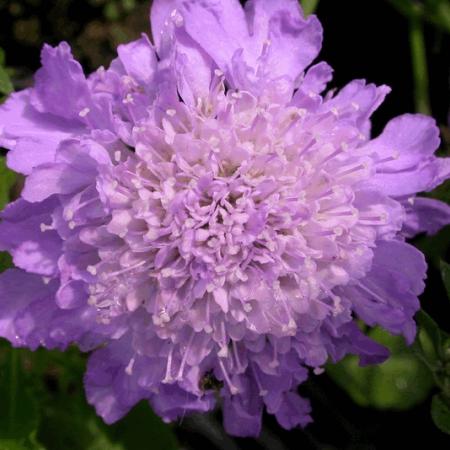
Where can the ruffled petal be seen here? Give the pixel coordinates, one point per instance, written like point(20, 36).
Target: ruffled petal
point(31, 136)
point(369, 351)
point(173, 402)
point(139, 59)
point(425, 215)
point(404, 143)
point(404, 156)
point(316, 79)
point(294, 411)
point(21, 233)
point(76, 167)
point(279, 29)
point(61, 77)
point(18, 290)
point(109, 388)
point(193, 66)
point(387, 296)
point(160, 14)
point(242, 414)
point(30, 317)
point(43, 323)
point(52, 179)
point(218, 26)
point(356, 102)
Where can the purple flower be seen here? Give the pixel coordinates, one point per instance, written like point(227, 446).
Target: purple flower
point(206, 221)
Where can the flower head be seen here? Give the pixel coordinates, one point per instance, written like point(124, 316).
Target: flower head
point(206, 221)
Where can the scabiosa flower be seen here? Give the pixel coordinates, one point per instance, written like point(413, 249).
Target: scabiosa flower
point(206, 221)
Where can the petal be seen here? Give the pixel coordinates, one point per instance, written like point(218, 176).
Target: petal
point(316, 78)
point(242, 416)
point(18, 290)
point(373, 203)
point(424, 178)
point(218, 26)
point(173, 402)
point(76, 166)
point(425, 215)
point(61, 77)
point(369, 351)
point(192, 65)
point(356, 102)
point(194, 69)
point(405, 142)
point(30, 317)
point(31, 136)
point(109, 388)
point(72, 295)
point(23, 234)
point(159, 14)
point(387, 296)
point(139, 59)
point(404, 156)
point(293, 411)
point(50, 179)
point(293, 41)
point(42, 323)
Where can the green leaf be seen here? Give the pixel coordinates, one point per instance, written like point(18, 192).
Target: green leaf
point(128, 5)
point(6, 86)
point(7, 180)
point(68, 422)
point(5, 261)
point(429, 338)
point(11, 444)
point(111, 11)
point(141, 426)
point(399, 383)
point(419, 65)
point(445, 272)
point(71, 423)
point(440, 412)
point(73, 428)
point(309, 6)
point(434, 247)
point(436, 12)
point(20, 444)
point(18, 412)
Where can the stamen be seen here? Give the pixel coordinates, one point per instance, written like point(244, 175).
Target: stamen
point(168, 378)
point(44, 227)
point(239, 365)
point(274, 363)
point(233, 389)
point(84, 112)
point(393, 157)
point(92, 270)
point(262, 392)
point(128, 99)
point(186, 353)
point(129, 368)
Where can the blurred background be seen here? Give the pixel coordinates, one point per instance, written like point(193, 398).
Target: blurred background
point(401, 43)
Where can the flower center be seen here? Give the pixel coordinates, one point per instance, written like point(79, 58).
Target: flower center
point(232, 207)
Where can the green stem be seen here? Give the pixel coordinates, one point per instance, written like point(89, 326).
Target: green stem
point(13, 373)
point(419, 63)
point(309, 6)
point(420, 354)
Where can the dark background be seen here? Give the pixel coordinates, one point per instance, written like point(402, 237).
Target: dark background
point(363, 39)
